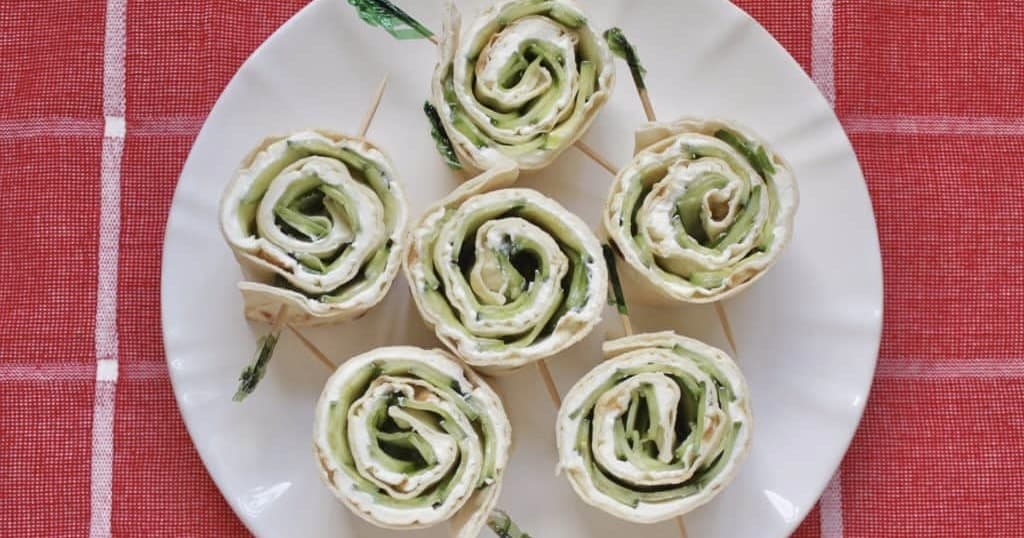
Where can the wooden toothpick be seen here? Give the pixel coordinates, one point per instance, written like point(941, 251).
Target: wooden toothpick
point(597, 157)
point(645, 99)
point(368, 119)
point(627, 326)
point(549, 383)
point(313, 350)
point(282, 313)
point(682, 527)
point(723, 320)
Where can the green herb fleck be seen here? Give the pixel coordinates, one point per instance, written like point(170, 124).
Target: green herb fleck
point(617, 298)
point(441, 140)
point(384, 14)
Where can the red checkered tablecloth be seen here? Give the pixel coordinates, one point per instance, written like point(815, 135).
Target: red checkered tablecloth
point(100, 101)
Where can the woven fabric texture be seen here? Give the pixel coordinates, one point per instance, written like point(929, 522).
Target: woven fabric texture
point(100, 101)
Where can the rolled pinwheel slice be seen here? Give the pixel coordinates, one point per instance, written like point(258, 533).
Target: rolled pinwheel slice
point(505, 276)
point(408, 438)
point(523, 82)
point(317, 221)
point(656, 430)
point(702, 211)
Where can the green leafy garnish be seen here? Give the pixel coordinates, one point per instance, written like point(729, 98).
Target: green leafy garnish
point(384, 14)
point(444, 144)
point(756, 155)
point(621, 47)
point(617, 298)
point(254, 371)
point(503, 526)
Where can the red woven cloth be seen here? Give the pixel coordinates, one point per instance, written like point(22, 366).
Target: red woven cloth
point(101, 91)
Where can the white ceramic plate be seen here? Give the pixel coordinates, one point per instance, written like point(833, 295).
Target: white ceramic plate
point(807, 333)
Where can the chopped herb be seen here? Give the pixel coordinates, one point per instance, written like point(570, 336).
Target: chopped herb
point(441, 140)
point(384, 14)
point(617, 297)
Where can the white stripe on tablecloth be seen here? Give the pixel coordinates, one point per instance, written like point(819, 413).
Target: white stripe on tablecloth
point(961, 368)
point(106, 293)
point(72, 372)
point(110, 231)
point(822, 70)
point(190, 125)
point(46, 372)
point(887, 369)
point(103, 454)
point(113, 59)
point(832, 508)
point(823, 74)
point(955, 125)
point(53, 126)
point(63, 126)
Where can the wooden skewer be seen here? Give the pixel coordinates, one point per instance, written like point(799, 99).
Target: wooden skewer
point(368, 119)
point(723, 319)
point(597, 157)
point(627, 326)
point(645, 99)
point(682, 527)
point(313, 350)
point(549, 383)
point(282, 313)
